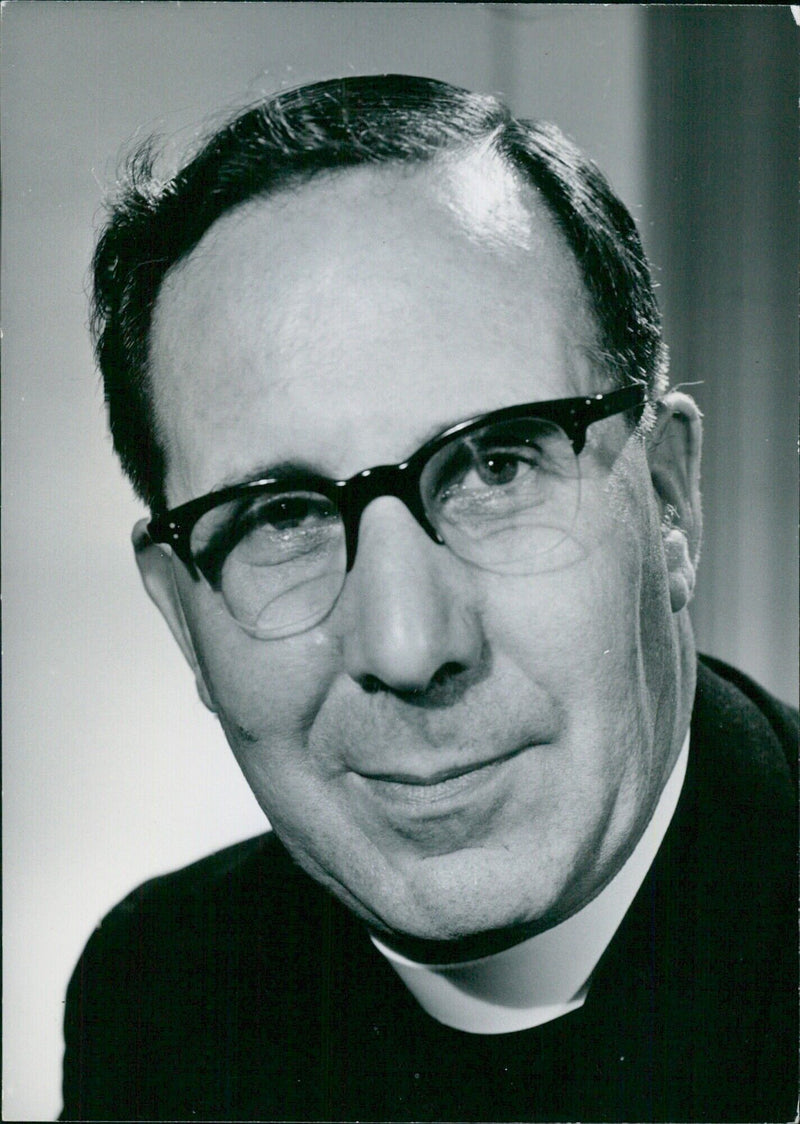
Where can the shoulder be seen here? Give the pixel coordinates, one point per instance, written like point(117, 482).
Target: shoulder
point(738, 836)
point(173, 969)
point(737, 719)
point(228, 915)
point(706, 958)
point(188, 888)
point(188, 910)
point(741, 840)
point(741, 785)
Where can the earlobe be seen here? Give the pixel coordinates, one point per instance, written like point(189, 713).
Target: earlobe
point(681, 569)
point(158, 576)
point(673, 451)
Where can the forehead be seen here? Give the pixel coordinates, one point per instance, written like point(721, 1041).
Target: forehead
point(339, 324)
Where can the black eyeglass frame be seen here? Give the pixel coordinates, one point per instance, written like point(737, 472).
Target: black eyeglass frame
point(351, 497)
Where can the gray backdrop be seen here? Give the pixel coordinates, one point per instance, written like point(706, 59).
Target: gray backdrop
point(113, 770)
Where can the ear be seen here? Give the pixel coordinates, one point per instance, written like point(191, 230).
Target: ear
point(156, 567)
point(673, 453)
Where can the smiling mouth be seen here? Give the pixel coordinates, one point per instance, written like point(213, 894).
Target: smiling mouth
point(428, 787)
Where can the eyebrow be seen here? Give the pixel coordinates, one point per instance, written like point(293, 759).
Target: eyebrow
point(283, 470)
point(296, 470)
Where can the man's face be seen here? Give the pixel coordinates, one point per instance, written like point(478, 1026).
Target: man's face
point(339, 328)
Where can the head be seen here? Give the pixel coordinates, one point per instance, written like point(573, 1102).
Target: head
point(455, 750)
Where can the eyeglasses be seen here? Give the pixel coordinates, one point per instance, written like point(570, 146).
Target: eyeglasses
point(501, 491)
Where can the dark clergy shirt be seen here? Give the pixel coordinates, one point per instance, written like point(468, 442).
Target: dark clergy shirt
point(238, 989)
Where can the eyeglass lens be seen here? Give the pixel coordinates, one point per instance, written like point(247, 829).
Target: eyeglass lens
point(503, 498)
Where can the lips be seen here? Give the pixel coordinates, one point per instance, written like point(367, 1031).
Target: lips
point(423, 798)
point(441, 775)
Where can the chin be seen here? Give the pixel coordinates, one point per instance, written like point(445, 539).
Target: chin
point(468, 908)
point(467, 937)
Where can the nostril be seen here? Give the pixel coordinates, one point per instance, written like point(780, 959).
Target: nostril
point(448, 674)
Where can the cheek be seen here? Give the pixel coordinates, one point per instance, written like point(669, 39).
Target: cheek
point(570, 619)
point(261, 688)
point(581, 634)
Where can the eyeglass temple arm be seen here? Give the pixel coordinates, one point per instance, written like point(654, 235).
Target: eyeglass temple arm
point(602, 406)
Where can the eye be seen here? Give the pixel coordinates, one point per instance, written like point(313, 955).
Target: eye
point(500, 467)
point(284, 513)
point(478, 468)
point(262, 531)
point(495, 477)
point(277, 525)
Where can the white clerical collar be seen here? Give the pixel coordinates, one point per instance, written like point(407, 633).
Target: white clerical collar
point(547, 975)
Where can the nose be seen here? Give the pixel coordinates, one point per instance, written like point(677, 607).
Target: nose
point(412, 625)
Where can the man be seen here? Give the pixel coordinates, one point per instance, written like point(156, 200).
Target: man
point(386, 366)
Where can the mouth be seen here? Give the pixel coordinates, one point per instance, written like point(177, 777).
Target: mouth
point(438, 785)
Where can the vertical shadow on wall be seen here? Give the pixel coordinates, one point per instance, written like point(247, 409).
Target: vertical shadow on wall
point(721, 152)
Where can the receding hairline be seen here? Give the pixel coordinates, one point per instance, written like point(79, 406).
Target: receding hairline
point(441, 168)
point(208, 279)
point(542, 236)
point(159, 215)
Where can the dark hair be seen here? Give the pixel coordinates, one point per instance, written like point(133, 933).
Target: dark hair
point(289, 138)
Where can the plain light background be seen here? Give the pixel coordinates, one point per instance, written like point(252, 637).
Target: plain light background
point(113, 771)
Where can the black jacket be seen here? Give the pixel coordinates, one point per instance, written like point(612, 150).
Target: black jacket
point(237, 989)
